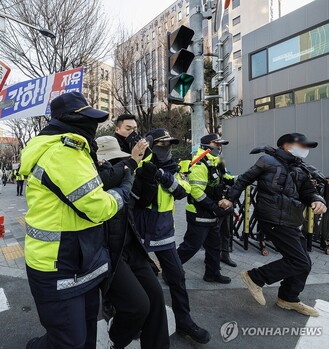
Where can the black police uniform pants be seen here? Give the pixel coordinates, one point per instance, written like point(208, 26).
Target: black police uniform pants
point(225, 235)
point(197, 236)
point(20, 185)
point(137, 296)
point(173, 271)
point(69, 323)
point(293, 269)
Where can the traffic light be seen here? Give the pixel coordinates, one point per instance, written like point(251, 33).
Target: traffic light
point(179, 61)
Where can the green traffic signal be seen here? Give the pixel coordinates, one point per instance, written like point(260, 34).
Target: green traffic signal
point(179, 62)
point(178, 87)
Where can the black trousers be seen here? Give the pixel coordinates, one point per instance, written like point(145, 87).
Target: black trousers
point(69, 323)
point(20, 185)
point(225, 235)
point(138, 299)
point(197, 236)
point(172, 268)
point(293, 269)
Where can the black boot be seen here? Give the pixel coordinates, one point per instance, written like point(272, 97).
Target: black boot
point(218, 277)
point(197, 333)
point(225, 258)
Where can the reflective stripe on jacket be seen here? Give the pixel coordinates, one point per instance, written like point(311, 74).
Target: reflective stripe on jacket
point(61, 246)
point(200, 202)
point(155, 223)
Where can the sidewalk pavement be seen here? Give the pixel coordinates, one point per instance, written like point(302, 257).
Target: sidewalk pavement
point(12, 258)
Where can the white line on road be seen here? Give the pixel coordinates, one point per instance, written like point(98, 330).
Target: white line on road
point(103, 337)
point(316, 342)
point(4, 305)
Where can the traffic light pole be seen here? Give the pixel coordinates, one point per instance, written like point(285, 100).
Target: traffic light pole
point(198, 123)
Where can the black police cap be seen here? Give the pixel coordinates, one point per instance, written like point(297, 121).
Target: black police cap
point(213, 137)
point(296, 138)
point(75, 103)
point(161, 134)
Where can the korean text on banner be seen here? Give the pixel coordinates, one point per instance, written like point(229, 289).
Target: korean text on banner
point(32, 98)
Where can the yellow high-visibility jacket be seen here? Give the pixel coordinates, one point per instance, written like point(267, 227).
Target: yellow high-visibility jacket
point(204, 178)
point(64, 246)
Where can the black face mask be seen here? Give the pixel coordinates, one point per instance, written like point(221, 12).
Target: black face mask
point(163, 154)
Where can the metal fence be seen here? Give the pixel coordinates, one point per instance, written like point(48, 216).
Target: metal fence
point(245, 230)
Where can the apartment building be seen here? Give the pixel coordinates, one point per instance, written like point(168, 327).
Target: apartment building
point(97, 82)
point(148, 55)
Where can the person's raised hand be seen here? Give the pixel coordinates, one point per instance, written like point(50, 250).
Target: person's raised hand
point(138, 150)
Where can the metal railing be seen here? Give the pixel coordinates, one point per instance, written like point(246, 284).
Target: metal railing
point(245, 230)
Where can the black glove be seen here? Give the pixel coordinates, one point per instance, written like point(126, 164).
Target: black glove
point(147, 171)
point(165, 178)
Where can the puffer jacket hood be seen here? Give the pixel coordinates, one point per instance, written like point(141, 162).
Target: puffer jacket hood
point(38, 146)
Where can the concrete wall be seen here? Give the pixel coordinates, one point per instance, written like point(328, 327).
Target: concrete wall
point(247, 132)
point(300, 75)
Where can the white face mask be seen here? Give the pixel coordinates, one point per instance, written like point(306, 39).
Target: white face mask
point(299, 152)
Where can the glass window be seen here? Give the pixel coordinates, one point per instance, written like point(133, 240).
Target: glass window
point(300, 48)
point(237, 37)
point(262, 108)
point(236, 20)
point(179, 15)
point(153, 35)
point(237, 54)
point(284, 100)
point(258, 64)
point(311, 94)
point(105, 100)
point(187, 10)
point(104, 108)
point(262, 100)
point(172, 21)
point(235, 3)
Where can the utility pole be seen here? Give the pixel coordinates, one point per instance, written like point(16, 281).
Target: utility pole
point(197, 89)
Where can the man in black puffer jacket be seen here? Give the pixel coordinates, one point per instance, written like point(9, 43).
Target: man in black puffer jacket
point(285, 188)
point(133, 289)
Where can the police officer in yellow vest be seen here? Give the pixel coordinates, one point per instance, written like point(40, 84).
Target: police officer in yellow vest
point(204, 216)
point(66, 257)
point(156, 188)
point(19, 178)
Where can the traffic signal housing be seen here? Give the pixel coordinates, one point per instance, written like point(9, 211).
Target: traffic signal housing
point(179, 61)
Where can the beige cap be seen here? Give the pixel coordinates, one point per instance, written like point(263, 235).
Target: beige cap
point(109, 148)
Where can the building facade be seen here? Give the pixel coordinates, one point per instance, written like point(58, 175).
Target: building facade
point(148, 56)
point(285, 85)
point(97, 86)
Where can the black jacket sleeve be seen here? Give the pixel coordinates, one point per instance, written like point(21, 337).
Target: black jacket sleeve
point(248, 178)
point(112, 175)
point(308, 193)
